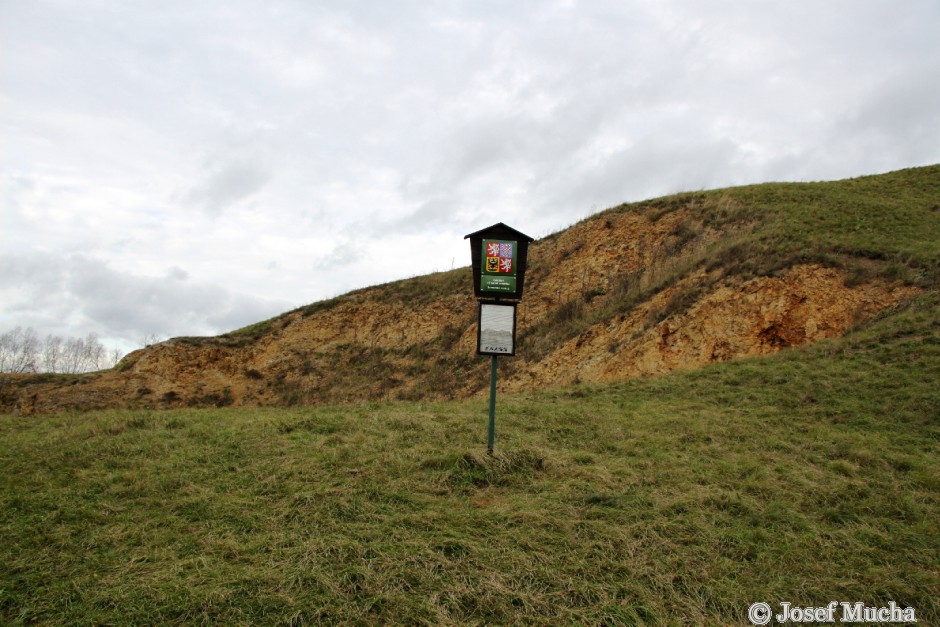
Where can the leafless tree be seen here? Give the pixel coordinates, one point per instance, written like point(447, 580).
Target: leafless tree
point(97, 354)
point(51, 353)
point(19, 350)
point(74, 356)
point(114, 357)
point(22, 351)
point(150, 339)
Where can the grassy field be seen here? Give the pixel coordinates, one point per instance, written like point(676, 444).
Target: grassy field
point(808, 477)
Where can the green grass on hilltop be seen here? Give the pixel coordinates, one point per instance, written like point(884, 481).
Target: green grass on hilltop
point(892, 218)
point(883, 227)
point(806, 477)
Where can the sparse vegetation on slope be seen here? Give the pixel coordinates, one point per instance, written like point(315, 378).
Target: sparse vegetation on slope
point(806, 476)
point(639, 289)
point(876, 227)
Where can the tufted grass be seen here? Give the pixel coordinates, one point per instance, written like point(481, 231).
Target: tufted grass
point(807, 477)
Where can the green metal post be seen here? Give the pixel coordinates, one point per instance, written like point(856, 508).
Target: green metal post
point(492, 431)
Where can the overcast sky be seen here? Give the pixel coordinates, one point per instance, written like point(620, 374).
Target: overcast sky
point(187, 167)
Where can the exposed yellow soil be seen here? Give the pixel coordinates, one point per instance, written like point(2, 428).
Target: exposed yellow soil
point(370, 346)
point(759, 316)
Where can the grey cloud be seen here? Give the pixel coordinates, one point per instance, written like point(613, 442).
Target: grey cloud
point(903, 110)
point(432, 214)
point(239, 310)
point(170, 303)
point(653, 167)
point(95, 297)
point(345, 253)
point(226, 184)
point(175, 272)
point(34, 288)
point(34, 270)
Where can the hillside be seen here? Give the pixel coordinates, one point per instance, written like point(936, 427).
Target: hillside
point(638, 290)
point(806, 476)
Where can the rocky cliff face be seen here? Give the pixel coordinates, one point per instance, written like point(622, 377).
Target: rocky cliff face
point(623, 294)
point(754, 317)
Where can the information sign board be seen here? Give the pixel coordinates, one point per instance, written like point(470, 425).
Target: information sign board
point(497, 329)
point(498, 273)
point(498, 256)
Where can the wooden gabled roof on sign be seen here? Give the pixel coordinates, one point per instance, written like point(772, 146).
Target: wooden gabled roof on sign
point(503, 229)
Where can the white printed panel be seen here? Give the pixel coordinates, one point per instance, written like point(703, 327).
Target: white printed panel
point(496, 327)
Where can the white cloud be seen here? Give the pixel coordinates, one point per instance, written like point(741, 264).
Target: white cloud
point(214, 161)
point(75, 295)
point(225, 184)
